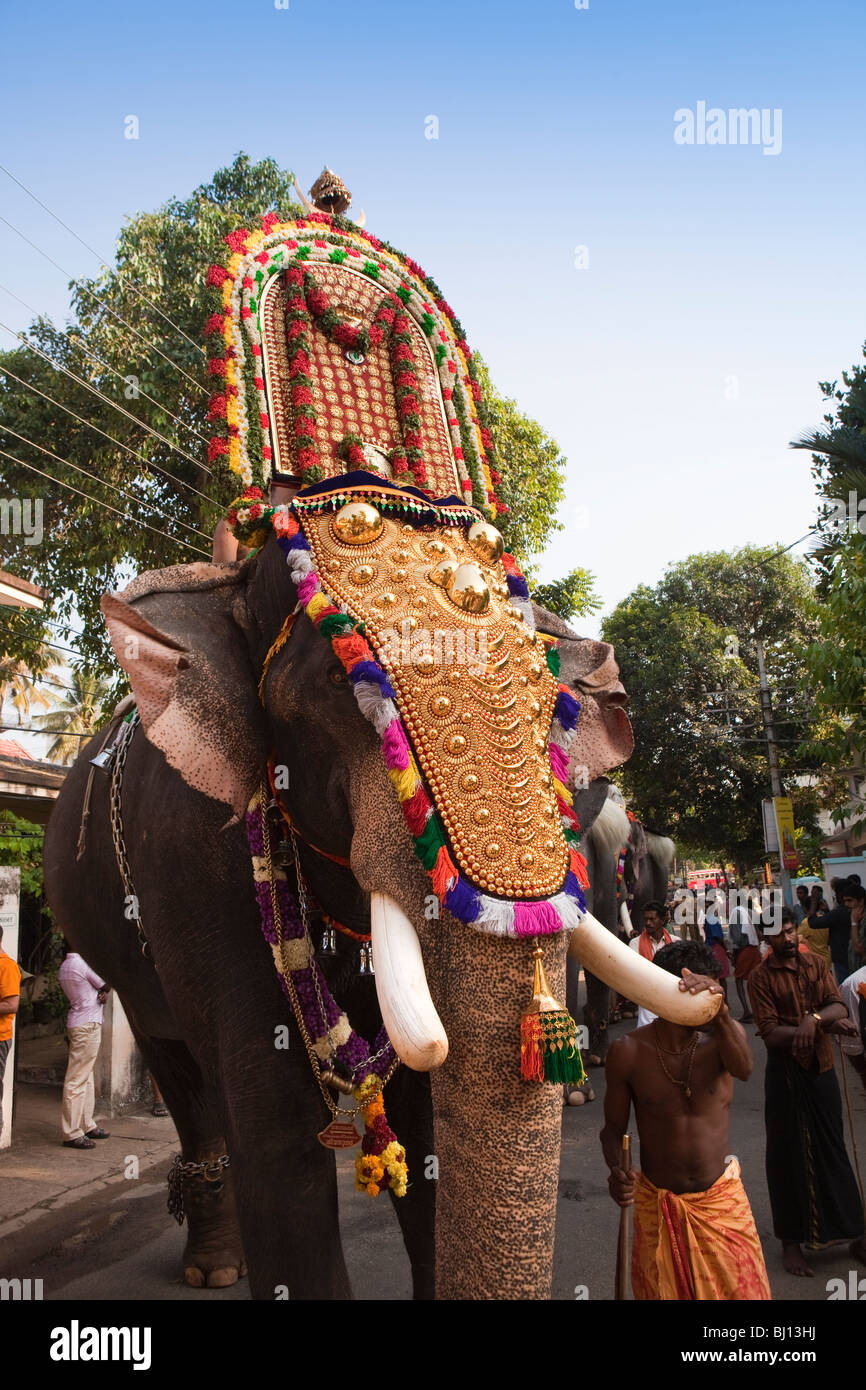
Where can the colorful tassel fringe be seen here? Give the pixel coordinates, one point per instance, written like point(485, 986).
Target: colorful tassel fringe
point(548, 1036)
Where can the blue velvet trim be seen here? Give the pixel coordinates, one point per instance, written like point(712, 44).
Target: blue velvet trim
point(574, 890)
point(462, 901)
point(372, 671)
point(566, 710)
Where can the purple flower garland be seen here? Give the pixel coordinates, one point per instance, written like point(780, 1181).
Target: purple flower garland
point(355, 1055)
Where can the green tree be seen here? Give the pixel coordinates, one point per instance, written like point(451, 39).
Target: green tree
point(687, 653)
point(19, 685)
point(79, 711)
point(21, 845)
point(836, 660)
point(573, 596)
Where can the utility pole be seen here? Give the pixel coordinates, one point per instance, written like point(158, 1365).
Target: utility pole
point(772, 758)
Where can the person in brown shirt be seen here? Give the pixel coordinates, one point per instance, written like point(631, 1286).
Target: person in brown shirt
point(813, 1191)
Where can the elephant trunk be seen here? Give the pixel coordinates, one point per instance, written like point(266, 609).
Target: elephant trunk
point(497, 1137)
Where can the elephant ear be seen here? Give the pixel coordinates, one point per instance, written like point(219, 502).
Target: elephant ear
point(604, 737)
point(175, 633)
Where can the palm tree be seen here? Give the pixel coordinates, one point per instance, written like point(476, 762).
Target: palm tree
point(79, 711)
point(18, 683)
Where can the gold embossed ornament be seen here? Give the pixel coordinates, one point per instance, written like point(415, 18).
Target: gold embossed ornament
point(548, 1036)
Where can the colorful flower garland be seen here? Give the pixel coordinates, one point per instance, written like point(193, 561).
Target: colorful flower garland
point(382, 1161)
point(239, 284)
point(376, 699)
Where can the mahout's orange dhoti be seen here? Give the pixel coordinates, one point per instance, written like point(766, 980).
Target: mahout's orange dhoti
point(697, 1245)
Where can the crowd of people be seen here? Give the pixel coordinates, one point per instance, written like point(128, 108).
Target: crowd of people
point(800, 977)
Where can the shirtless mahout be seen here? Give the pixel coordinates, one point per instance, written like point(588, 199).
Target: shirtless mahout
point(695, 1236)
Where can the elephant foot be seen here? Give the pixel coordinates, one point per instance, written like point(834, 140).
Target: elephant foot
point(213, 1258)
point(198, 1276)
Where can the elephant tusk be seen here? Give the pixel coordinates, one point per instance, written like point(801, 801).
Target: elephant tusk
point(408, 1012)
point(625, 916)
point(626, 971)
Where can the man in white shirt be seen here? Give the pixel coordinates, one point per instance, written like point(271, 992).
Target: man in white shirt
point(651, 939)
point(86, 994)
point(747, 954)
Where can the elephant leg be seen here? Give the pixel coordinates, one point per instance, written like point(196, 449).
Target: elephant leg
point(285, 1180)
point(596, 1014)
point(410, 1115)
point(213, 1257)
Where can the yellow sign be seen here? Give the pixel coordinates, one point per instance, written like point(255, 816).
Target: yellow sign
point(785, 824)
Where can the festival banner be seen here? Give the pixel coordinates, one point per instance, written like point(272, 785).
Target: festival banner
point(785, 824)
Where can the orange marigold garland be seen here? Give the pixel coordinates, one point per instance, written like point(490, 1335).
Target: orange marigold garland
point(382, 1161)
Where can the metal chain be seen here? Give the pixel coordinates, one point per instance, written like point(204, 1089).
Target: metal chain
point(210, 1171)
point(303, 904)
point(305, 919)
point(122, 745)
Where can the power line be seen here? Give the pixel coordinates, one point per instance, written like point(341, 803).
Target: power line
point(198, 386)
point(148, 463)
point(123, 515)
point(56, 647)
point(88, 352)
point(139, 501)
point(51, 733)
point(103, 260)
point(88, 386)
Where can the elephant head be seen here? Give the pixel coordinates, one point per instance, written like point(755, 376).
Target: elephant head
point(222, 680)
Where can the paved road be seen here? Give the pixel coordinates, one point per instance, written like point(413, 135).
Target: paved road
point(119, 1243)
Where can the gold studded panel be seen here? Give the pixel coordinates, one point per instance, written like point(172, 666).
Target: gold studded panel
point(354, 397)
point(474, 690)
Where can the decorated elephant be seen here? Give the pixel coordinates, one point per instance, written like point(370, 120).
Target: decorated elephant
point(357, 731)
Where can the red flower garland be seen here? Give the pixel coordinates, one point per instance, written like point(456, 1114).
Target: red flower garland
point(334, 230)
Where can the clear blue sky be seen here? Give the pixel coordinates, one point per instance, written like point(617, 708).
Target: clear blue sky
point(722, 283)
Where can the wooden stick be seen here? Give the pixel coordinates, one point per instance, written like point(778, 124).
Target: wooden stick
point(622, 1249)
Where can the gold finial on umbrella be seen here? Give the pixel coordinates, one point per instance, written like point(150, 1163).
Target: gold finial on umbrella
point(330, 194)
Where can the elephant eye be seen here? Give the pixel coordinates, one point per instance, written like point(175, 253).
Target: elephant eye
point(337, 676)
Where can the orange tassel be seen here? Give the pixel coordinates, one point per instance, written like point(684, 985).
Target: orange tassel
point(531, 1049)
point(442, 871)
point(578, 868)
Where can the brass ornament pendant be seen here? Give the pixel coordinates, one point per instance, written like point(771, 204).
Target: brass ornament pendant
point(548, 1036)
point(339, 1134)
